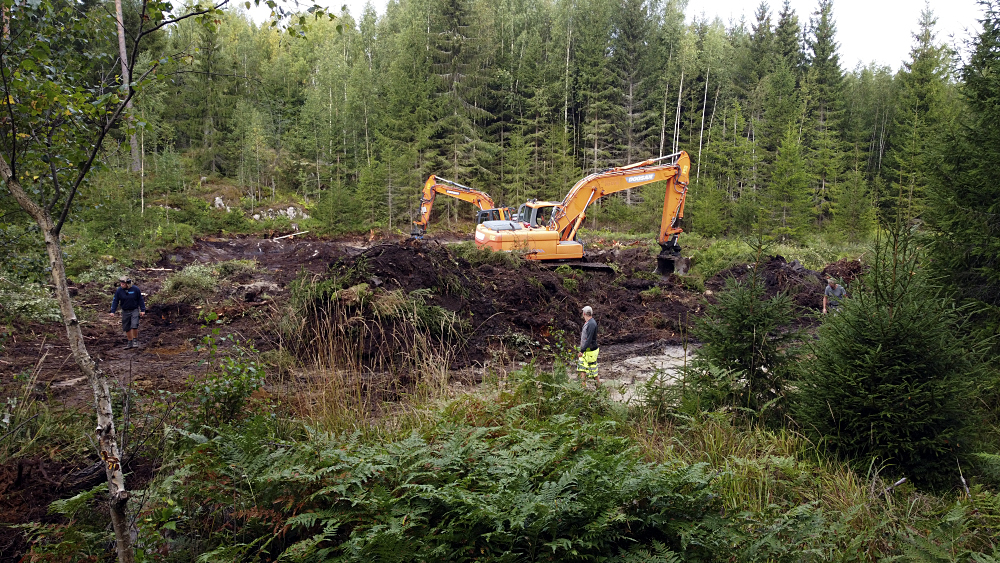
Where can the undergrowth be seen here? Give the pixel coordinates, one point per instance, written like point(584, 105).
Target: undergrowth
point(27, 301)
point(533, 468)
point(195, 283)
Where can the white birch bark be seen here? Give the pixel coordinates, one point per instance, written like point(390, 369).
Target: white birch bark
point(105, 432)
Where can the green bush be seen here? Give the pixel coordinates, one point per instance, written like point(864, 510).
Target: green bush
point(234, 268)
point(106, 274)
point(477, 256)
point(27, 301)
point(194, 283)
point(223, 392)
point(564, 491)
point(173, 235)
point(718, 255)
point(892, 375)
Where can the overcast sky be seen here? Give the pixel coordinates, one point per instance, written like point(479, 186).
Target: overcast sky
point(867, 30)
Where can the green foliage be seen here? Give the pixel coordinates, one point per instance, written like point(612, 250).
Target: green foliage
point(104, 274)
point(222, 393)
point(788, 196)
point(477, 256)
point(891, 376)
point(83, 539)
point(707, 208)
point(714, 256)
point(237, 268)
point(554, 487)
point(962, 197)
point(571, 284)
point(746, 359)
point(29, 302)
point(195, 283)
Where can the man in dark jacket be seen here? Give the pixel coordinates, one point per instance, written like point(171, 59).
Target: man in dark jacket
point(133, 307)
point(586, 362)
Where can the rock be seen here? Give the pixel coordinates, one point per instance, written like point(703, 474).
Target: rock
point(253, 291)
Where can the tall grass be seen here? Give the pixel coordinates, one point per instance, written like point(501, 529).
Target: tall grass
point(366, 349)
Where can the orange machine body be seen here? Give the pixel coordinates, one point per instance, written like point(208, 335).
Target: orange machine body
point(546, 230)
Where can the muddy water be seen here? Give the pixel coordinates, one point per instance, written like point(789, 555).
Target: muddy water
point(625, 373)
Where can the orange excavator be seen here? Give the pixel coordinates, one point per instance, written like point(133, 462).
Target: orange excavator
point(546, 230)
point(482, 200)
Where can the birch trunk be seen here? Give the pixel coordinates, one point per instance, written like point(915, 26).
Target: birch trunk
point(701, 135)
point(126, 80)
point(663, 120)
point(106, 438)
point(677, 116)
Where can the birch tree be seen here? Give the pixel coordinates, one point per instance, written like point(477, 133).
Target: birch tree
point(55, 120)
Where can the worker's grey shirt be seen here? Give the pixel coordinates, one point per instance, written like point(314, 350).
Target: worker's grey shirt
point(835, 295)
point(588, 336)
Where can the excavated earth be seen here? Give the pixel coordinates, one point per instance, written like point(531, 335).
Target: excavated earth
point(639, 314)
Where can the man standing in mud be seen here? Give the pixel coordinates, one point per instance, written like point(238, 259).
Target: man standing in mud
point(586, 362)
point(133, 307)
point(832, 295)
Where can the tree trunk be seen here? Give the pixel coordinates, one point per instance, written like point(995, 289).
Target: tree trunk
point(701, 135)
point(126, 79)
point(677, 116)
point(106, 438)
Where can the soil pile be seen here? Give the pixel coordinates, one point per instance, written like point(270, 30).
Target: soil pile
point(846, 270)
point(533, 299)
point(805, 286)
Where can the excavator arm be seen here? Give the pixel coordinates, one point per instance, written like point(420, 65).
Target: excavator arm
point(569, 215)
point(434, 186)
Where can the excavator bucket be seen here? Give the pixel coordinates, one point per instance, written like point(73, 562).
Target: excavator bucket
point(669, 260)
point(667, 264)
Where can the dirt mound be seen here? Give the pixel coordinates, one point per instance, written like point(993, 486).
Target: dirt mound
point(805, 286)
point(532, 300)
point(846, 270)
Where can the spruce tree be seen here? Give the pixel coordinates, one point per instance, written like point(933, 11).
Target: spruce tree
point(748, 337)
point(459, 150)
point(964, 191)
point(892, 373)
point(823, 135)
point(788, 38)
point(853, 212)
point(788, 193)
point(921, 112)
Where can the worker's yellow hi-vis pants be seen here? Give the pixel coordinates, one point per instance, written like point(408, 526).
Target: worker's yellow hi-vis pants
point(587, 363)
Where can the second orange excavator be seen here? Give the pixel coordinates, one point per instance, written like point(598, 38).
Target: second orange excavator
point(546, 230)
point(482, 200)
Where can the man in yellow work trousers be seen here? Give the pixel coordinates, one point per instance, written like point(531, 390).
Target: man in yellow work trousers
point(586, 362)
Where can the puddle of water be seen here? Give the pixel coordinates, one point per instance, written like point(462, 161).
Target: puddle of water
point(625, 376)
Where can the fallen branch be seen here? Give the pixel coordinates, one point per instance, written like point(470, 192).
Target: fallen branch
point(291, 235)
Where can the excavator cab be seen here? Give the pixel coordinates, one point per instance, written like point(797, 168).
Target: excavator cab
point(536, 214)
point(496, 214)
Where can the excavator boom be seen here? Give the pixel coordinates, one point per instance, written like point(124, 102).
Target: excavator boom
point(435, 185)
